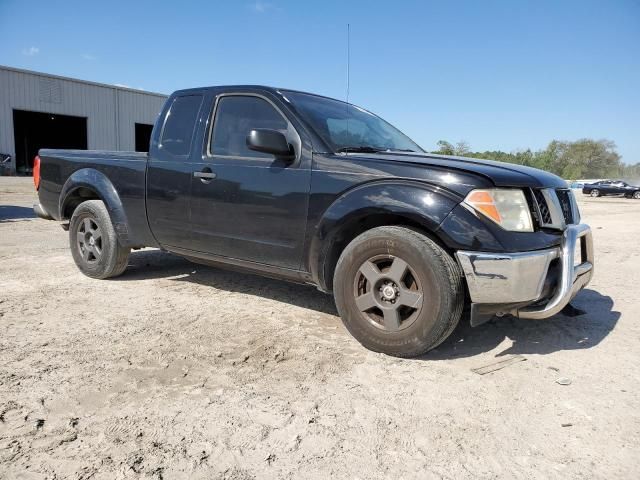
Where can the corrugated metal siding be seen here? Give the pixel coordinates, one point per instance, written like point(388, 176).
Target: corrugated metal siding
point(111, 111)
point(134, 108)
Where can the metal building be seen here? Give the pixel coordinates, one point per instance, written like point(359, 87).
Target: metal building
point(38, 110)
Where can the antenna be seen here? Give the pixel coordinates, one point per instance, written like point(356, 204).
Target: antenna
point(348, 72)
point(348, 58)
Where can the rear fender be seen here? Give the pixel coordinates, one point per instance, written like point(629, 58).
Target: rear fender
point(388, 202)
point(97, 182)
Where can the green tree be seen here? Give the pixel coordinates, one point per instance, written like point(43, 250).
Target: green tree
point(584, 158)
point(592, 158)
point(445, 148)
point(461, 149)
point(631, 173)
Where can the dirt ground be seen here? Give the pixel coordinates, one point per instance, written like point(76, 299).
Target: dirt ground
point(176, 370)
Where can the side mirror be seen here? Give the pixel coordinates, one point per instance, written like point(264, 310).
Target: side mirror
point(269, 141)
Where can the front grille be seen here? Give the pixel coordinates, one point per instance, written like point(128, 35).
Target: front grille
point(555, 208)
point(565, 197)
point(543, 208)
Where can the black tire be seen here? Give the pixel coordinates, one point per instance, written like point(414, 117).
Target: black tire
point(595, 192)
point(636, 195)
point(363, 294)
point(94, 243)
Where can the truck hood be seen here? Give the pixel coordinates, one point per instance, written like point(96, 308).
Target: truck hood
point(501, 174)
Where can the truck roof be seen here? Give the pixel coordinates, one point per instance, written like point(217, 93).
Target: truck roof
point(274, 90)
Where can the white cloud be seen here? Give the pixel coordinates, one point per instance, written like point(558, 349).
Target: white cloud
point(31, 51)
point(88, 57)
point(261, 7)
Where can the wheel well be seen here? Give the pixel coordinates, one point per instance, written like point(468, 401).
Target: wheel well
point(75, 198)
point(359, 226)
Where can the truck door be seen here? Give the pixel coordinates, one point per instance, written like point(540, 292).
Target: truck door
point(245, 204)
point(169, 172)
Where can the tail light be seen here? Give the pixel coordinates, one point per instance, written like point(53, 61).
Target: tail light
point(36, 172)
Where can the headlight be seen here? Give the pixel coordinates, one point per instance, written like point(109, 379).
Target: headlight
point(507, 207)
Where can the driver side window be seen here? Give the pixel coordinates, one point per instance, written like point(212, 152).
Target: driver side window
point(235, 117)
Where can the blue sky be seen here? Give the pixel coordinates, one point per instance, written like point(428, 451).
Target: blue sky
point(503, 75)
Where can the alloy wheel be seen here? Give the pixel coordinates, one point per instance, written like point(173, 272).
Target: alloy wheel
point(89, 237)
point(387, 293)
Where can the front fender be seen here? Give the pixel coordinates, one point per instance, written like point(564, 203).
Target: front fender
point(99, 183)
point(417, 203)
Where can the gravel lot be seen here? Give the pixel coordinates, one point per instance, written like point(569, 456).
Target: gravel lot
point(176, 370)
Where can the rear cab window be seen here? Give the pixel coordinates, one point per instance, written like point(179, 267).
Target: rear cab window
point(179, 125)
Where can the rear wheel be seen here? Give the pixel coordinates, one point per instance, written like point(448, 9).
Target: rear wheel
point(636, 195)
point(595, 192)
point(397, 291)
point(94, 243)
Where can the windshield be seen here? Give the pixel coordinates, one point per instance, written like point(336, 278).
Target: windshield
point(347, 128)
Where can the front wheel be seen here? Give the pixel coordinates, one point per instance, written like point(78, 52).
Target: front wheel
point(397, 291)
point(595, 192)
point(94, 243)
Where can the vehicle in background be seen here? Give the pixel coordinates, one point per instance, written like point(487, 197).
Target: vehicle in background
point(611, 187)
point(576, 185)
point(314, 190)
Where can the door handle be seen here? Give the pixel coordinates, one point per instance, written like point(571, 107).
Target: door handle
point(205, 175)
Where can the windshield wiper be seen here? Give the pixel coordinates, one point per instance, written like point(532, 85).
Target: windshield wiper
point(360, 149)
point(369, 149)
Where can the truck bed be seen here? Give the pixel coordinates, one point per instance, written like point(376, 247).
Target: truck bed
point(124, 172)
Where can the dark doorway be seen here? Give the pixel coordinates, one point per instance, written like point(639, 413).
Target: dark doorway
point(143, 137)
point(35, 130)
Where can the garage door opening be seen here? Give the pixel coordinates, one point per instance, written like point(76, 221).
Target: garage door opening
point(143, 137)
point(35, 130)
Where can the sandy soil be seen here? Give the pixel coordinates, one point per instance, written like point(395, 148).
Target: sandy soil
point(181, 371)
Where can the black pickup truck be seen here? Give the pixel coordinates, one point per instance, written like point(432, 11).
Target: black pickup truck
point(311, 189)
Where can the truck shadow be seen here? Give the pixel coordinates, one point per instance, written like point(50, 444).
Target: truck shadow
point(534, 336)
point(528, 336)
point(13, 213)
point(147, 264)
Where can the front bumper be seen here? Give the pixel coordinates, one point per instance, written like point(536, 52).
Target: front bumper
point(528, 284)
